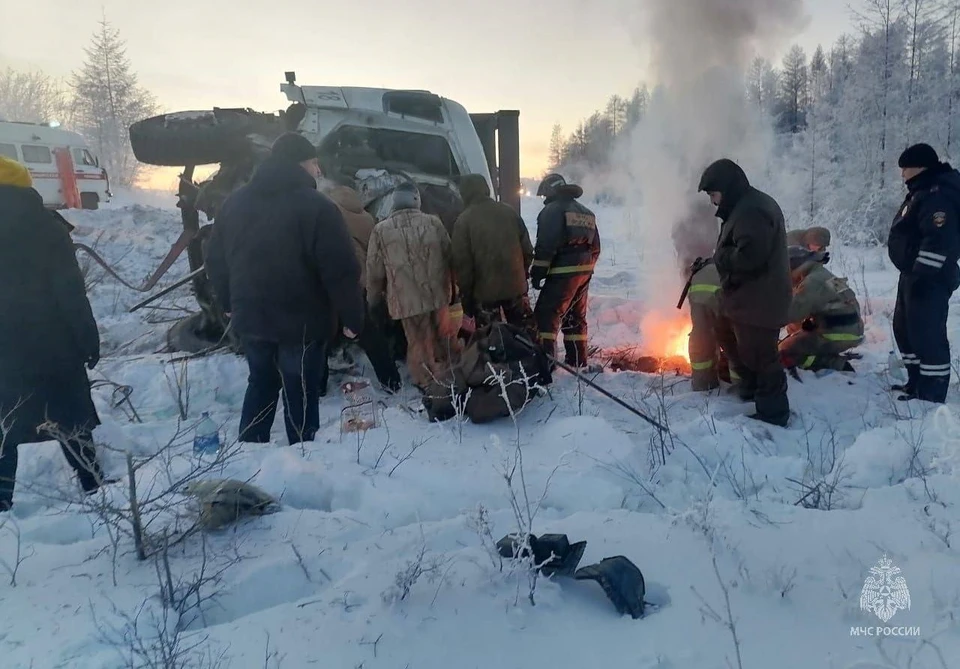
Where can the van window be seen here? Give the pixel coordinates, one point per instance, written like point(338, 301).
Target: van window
point(36, 154)
point(8, 151)
point(359, 148)
point(82, 157)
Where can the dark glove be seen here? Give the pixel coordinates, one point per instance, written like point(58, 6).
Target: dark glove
point(809, 324)
point(537, 276)
point(826, 258)
point(92, 360)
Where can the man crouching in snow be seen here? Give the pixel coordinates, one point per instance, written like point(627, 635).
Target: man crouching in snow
point(47, 335)
point(410, 264)
point(282, 264)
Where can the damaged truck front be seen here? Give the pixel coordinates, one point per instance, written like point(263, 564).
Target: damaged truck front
point(369, 139)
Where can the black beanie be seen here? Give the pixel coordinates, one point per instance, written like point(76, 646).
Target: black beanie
point(293, 147)
point(919, 155)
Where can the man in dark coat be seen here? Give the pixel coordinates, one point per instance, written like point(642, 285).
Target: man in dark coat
point(47, 335)
point(924, 244)
point(491, 258)
point(567, 249)
point(754, 268)
point(282, 263)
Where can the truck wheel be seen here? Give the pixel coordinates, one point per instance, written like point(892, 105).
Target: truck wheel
point(90, 200)
point(200, 137)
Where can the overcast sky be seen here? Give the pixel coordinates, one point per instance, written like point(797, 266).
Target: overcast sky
point(554, 60)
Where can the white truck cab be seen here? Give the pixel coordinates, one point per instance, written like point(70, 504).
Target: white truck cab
point(35, 145)
point(431, 138)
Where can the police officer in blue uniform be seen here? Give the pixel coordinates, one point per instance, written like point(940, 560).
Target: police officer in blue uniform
point(924, 244)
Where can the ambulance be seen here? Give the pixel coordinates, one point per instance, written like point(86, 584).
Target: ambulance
point(49, 152)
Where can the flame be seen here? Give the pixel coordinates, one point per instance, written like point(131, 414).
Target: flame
point(680, 345)
point(666, 335)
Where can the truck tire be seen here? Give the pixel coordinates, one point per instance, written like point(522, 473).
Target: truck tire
point(200, 137)
point(89, 200)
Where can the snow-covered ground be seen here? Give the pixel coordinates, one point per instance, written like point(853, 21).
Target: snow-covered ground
point(755, 542)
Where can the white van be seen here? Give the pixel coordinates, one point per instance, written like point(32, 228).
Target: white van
point(33, 145)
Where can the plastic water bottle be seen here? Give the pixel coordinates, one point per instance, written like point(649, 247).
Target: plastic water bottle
point(896, 367)
point(206, 438)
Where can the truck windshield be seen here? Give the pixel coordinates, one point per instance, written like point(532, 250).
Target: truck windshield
point(356, 147)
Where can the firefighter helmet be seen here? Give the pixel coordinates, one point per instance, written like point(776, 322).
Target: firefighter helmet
point(550, 185)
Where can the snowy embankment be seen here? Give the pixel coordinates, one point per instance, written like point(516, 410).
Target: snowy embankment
point(381, 555)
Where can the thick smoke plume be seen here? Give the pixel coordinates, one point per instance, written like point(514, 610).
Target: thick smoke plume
point(690, 37)
point(698, 113)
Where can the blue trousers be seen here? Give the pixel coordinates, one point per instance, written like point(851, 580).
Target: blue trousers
point(920, 330)
point(299, 372)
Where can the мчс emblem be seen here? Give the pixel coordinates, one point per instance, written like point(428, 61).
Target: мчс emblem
point(884, 593)
point(939, 218)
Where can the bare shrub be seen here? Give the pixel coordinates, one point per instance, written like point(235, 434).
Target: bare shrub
point(422, 565)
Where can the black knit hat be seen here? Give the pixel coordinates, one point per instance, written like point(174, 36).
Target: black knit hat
point(293, 147)
point(919, 155)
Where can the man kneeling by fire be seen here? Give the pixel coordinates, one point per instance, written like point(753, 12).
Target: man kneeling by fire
point(824, 315)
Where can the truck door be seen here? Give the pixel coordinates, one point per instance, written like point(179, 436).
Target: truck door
point(91, 179)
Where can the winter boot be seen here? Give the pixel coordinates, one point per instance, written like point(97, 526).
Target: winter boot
point(779, 421)
point(576, 353)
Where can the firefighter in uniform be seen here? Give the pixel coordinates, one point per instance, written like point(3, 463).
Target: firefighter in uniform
point(567, 248)
point(703, 349)
point(824, 315)
point(694, 238)
point(924, 244)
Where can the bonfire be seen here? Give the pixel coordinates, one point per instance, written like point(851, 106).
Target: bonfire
point(663, 347)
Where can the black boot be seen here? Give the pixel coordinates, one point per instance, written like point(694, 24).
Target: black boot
point(780, 420)
point(576, 353)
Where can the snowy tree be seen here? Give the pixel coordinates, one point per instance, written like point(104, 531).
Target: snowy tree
point(792, 106)
point(819, 76)
point(882, 22)
point(557, 147)
point(637, 106)
point(107, 100)
point(616, 113)
point(763, 84)
point(31, 97)
point(577, 144)
point(599, 137)
point(841, 66)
